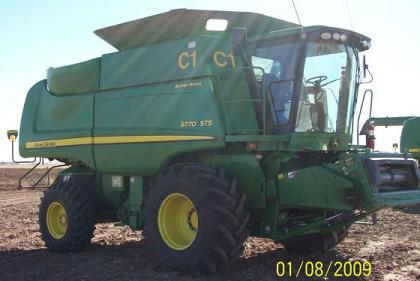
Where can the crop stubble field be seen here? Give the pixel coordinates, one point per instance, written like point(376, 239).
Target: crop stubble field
point(117, 253)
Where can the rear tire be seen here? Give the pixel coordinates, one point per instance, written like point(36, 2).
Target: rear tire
point(315, 242)
point(66, 217)
point(211, 215)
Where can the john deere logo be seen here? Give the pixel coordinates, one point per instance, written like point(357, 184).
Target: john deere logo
point(45, 144)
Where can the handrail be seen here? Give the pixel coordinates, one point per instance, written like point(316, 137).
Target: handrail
point(40, 178)
point(252, 100)
point(21, 162)
point(38, 161)
point(360, 111)
point(226, 115)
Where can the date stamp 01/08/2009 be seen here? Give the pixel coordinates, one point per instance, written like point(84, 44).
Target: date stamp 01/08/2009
point(345, 270)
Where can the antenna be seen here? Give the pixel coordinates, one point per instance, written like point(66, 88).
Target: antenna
point(297, 14)
point(348, 13)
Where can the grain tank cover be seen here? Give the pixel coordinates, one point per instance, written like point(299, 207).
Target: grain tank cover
point(183, 23)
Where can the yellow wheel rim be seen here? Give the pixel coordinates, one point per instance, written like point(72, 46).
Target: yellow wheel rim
point(56, 220)
point(177, 221)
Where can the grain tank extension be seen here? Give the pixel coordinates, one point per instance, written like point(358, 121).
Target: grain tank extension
point(206, 127)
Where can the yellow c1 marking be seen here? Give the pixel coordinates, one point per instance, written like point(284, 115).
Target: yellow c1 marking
point(220, 59)
point(217, 61)
point(413, 150)
point(185, 59)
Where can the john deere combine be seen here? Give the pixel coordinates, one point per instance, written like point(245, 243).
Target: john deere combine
point(207, 127)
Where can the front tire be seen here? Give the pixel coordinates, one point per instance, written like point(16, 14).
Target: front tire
point(66, 217)
point(195, 219)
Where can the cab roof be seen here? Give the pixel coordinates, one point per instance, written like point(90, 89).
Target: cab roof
point(183, 23)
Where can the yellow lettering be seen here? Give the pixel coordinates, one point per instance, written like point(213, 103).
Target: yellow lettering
point(181, 63)
point(194, 58)
point(185, 59)
point(219, 59)
point(232, 59)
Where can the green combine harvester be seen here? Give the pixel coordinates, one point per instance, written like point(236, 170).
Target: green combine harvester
point(207, 127)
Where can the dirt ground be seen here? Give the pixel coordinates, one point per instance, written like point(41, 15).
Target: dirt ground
point(117, 253)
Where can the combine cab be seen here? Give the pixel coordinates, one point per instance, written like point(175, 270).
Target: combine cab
point(206, 127)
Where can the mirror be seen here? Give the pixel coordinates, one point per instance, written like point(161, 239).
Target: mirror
point(365, 66)
point(239, 41)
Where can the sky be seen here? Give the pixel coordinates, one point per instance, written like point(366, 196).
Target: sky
point(35, 35)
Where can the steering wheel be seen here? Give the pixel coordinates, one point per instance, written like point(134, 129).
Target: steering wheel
point(316, 80)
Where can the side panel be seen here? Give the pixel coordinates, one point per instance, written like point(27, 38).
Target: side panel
point(314, 187)
point(151, 64)
point(74, 79)
point(246, 170)
point(239, 109)
point(205, 55)
point(153, 103)
point(138, 129)
point(57, 127)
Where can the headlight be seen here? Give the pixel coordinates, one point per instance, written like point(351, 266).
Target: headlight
point(366, 44)
point(336, 36)
point(326, 36)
